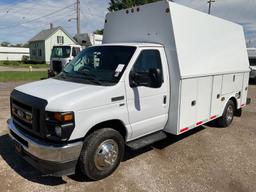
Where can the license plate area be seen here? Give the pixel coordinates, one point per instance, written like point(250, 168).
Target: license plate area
point(18, 147)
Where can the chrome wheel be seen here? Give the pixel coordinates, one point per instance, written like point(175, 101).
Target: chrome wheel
point(106, 155)
point(230, 113)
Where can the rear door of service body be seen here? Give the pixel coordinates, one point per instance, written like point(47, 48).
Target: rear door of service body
point(148, 106)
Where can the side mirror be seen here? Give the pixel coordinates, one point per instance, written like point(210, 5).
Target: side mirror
point(156, 77)
point(133, 78)
point(151, 79)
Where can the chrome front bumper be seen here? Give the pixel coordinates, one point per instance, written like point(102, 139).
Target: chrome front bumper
point(45, 151)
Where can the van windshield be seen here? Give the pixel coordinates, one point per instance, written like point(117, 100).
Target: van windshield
point(61, 52)
point(103, 65)
point(253, 62)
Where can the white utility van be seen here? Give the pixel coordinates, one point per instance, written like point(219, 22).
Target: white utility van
point(61, 55)
point(162, 68)
point(252, 59)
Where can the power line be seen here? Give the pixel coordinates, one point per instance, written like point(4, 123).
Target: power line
point(37, 18)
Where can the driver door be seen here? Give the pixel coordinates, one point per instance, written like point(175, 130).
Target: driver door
point(147, 106)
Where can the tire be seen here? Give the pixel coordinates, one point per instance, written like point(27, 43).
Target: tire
point(92, 162)
point(228, 115)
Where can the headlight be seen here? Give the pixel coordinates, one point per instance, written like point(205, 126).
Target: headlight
point(58, 131)
point(60, 125)
point(60, 117)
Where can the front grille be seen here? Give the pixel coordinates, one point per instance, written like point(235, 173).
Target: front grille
point(57, 66)
point(28, 113)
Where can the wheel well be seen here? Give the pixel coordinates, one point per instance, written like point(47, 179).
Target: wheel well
point(238, 112)
point(234, 101)
point(114, 124)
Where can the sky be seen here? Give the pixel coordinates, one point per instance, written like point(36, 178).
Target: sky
point(20, 20)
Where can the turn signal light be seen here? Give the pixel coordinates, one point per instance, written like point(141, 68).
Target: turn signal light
point(63, 117)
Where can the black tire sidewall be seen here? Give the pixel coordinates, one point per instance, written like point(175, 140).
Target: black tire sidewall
point(222, 121)
point(91, 144)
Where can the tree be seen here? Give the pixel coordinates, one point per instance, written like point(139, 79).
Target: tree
point(115, 5)
point(5, 44)
point(99, 31)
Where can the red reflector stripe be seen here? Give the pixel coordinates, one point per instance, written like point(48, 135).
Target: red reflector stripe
point(183, 130)
point(213, 117)
point(199, 123)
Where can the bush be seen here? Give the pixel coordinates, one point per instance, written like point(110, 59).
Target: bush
point(14, 63)
point(33, 62)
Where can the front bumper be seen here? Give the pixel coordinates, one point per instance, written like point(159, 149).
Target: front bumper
point(51, 159)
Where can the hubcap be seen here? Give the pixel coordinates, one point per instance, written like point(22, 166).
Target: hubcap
point(106, 155)
point(230, 113)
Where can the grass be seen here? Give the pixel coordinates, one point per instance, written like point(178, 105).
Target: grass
point(20, 64)
point(22, 76)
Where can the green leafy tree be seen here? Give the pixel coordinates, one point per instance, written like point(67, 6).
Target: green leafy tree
point(115, 5)
point(99, 31)
point(5, 44)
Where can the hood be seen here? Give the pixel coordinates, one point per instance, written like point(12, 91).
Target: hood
point(69, 96)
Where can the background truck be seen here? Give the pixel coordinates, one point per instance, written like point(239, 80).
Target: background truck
point(89, 39)
point(61, 55)
point(252, 59)
point(162, 69)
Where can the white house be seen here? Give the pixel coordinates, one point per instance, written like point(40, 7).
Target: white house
point(41, 44)
point(13, 53)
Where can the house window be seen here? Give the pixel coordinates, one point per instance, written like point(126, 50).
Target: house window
point(40, 52)
point(33, 52)
point(75, 51)
point(60, 39)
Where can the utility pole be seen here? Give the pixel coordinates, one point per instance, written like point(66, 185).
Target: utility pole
point(78, 16)
point(210, 6)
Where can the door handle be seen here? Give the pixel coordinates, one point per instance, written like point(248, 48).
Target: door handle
point(165, 99)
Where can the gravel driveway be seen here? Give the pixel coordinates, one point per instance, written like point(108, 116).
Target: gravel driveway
point(205, 159)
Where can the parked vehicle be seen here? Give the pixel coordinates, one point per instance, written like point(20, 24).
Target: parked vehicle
point(252, 59)
point(158, 71)
point(61, 55)
point(89, 39)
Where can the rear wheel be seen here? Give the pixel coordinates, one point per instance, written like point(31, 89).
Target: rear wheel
point(101, 154)
point(226, 119)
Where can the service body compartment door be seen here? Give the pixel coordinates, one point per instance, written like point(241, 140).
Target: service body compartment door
point(203, 106)
point(188, 103)
point(232, 83)
point(245, 89)
point(216, 106)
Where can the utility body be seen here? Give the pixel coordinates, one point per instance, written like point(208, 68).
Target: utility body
point(162, 68)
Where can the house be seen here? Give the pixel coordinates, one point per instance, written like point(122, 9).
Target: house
point(41, 44)
point(13, 53)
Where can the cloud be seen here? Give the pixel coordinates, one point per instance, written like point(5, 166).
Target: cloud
point(238, 11)
point(13, 26)
point(16, 25)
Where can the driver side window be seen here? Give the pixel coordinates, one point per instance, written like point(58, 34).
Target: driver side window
point(148, 60)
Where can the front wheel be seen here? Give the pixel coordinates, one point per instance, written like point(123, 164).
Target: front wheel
point(101, 154)
point(226, 119)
